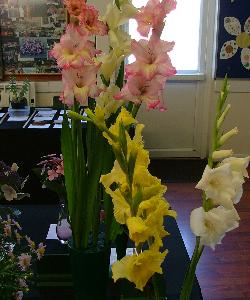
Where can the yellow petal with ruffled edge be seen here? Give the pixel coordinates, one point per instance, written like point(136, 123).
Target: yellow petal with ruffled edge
point(121, 208)
point(116, 175)
point(139, 268)
point(124, 118)
point(138, 231)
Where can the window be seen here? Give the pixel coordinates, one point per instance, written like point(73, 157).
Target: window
point(182, 26)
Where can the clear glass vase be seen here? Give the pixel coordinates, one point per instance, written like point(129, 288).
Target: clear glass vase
point(63, 229)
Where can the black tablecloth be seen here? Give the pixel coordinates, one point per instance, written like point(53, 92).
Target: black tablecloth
point(35, 221)
point(26, 146)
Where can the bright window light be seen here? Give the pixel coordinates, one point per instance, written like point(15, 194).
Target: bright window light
point(182, 27)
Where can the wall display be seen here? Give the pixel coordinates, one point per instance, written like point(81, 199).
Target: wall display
point(29, 29)
point(233, 44)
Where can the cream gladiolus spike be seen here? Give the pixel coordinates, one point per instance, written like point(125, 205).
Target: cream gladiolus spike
point(221, 184)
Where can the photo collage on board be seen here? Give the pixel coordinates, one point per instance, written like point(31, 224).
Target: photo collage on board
point(29, 29)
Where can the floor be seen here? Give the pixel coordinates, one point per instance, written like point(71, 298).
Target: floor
point(225, 272)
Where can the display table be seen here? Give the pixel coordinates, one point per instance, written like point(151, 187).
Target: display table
point(25, 145)
point(53, 270)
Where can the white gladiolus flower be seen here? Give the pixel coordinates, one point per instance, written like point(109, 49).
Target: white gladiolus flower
point(211, 226)
point(218, 185)
point(238, 181)
point(238, 164)
point(9, 192)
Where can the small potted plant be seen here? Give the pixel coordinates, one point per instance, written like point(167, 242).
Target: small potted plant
point(18, 92)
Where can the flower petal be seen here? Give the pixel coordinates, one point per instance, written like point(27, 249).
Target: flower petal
point(228, 49)
point(247, 25)
point(245, 58)
point(232, 25)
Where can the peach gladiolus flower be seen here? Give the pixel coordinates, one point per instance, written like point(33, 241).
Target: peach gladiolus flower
point(151, 58)
point(75, 7)
point(79, 83)
point(74, 50)
point(152, 16)
point(89, 22)
point(138, 90)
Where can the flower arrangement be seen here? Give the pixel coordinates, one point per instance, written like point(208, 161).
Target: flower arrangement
point(51, 173)
point(18, 91)
point(113, 104)
point(114, 154)
point(17, 251)
point(17, 255)
point(11, 182)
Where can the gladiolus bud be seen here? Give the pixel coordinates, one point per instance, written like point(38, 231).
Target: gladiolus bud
point(228, 135)
point(220, 154)
point(223, 115)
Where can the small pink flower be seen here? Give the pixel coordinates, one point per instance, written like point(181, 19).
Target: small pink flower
point(31, 243)
point(52, 175)
point(89, 22)
point(24, 261)
point(60, 169)
point(40, 251)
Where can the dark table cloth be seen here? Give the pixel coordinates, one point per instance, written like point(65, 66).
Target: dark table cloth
point(35, 220)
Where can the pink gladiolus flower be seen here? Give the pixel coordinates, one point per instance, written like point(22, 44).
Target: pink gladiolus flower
point(80, 83)
point(74, 50)
point(24, 261)
point(139, 91)
point(89, 22)
point(152, 16)
point(74, 7)
point(151, 58)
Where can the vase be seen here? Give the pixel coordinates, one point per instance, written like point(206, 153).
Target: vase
point(90, 273)
point(63, 228)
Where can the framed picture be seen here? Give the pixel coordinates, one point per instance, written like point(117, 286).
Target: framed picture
point(29, 29)
point(233, 42)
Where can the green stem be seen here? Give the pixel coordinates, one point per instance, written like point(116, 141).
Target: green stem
point(190, 274)
point(155, 286)
point(135, 110)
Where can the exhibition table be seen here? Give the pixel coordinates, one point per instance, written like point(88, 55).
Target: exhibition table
point(54, 268)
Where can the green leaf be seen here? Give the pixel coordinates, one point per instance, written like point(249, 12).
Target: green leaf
point(68, 158)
